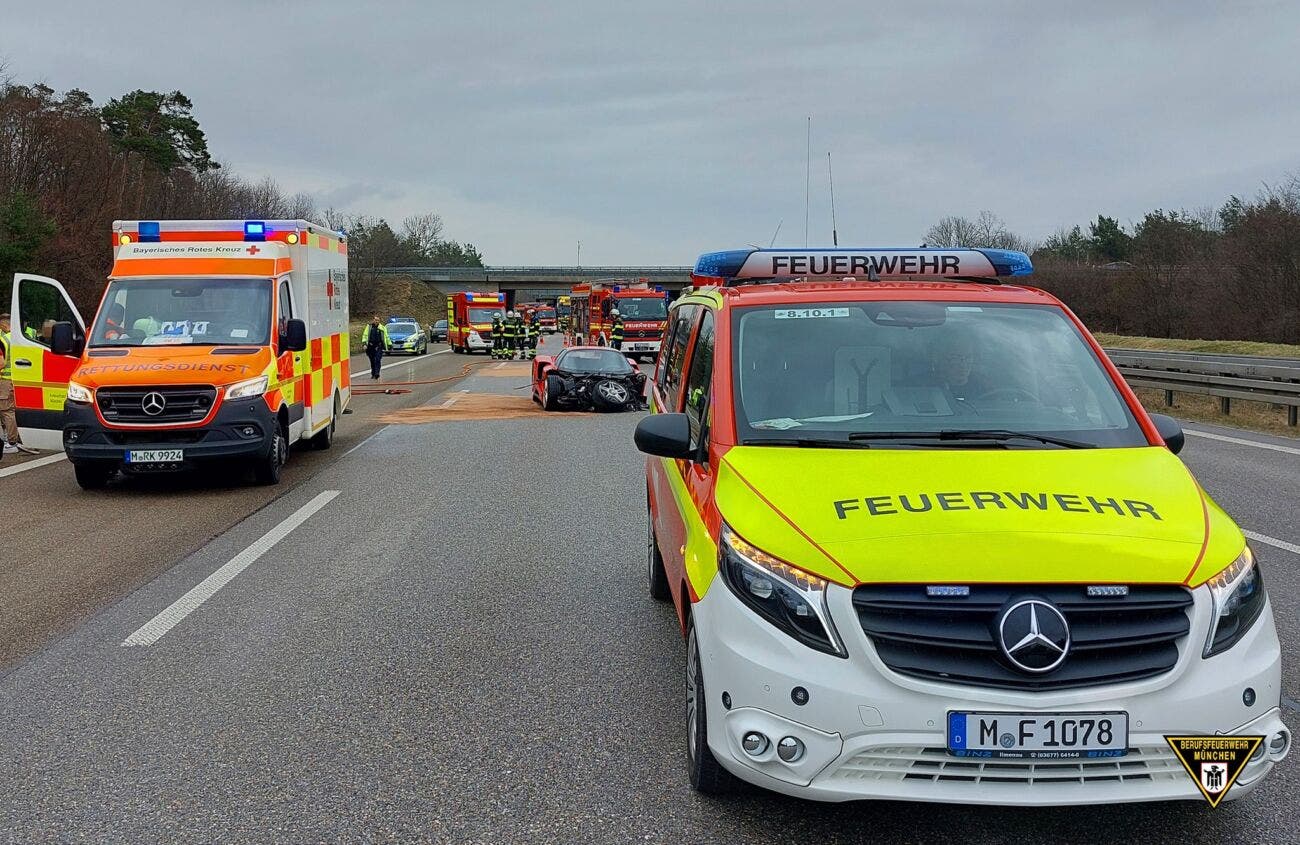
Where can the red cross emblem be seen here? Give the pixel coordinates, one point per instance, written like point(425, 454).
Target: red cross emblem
point(253, 250)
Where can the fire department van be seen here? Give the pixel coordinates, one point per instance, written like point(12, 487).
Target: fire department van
point(642, 308)
point(215, 341)
point(545, 314)
point(925, 544)
point(469, 319)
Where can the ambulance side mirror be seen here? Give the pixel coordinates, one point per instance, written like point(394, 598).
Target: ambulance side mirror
point(64, 340)
point(665, 435)
point(1170, 431)
point(295, 336)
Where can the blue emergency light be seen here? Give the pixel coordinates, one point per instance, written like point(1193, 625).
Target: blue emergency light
point(254, 230)
point(149, 231)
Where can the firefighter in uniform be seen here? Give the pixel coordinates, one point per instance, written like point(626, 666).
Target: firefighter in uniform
point(521, 329)
point(532, 329)
point(508, 332)
point(498, 336)
point(616, 330)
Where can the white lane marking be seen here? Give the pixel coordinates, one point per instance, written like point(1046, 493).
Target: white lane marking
point(1273, 541)
point(36, 464)
point(151, 631)
point(1241, 441)
point(454, 397)
point(365, 370)
point(364, 442)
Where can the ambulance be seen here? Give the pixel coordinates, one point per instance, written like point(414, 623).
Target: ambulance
point(216, 341)
point(469, 320)
point(925, 544)
point(642, 308)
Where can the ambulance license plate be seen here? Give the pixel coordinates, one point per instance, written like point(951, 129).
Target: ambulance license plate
point(1039, 736)
point(155, 456)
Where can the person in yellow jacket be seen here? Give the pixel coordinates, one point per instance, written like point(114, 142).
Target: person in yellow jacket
point(8, 408)
point(374, 339)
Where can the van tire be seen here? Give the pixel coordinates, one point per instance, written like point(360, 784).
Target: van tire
point(659, 590)
point(325, 438)
point(92, 476)
point(707, 774)
point(267, 470)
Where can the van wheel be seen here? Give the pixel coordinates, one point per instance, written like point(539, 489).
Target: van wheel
point(658, 576)
point(325, 438)
point(707, 774)
point(267, 470)
point(92, 476)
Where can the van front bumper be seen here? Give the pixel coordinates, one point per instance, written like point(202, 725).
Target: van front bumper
point(241, 429)
point(871, 733)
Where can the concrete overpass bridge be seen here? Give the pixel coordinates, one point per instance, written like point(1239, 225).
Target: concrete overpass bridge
point(526, 283)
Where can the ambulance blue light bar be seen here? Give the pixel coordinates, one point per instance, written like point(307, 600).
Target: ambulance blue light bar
point(149, 231)
point(254, 230)
point(862, 264)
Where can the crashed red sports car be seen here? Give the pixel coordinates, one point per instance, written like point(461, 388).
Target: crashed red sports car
point(582, 377)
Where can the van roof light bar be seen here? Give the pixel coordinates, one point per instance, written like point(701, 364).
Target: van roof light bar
point(748, 266)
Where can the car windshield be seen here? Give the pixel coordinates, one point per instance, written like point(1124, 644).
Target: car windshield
point(642, 308)
point(164, 312)
point(441, 324)
point(484, 315)
point(877, 373)
point(402, 328)
point(593, 361)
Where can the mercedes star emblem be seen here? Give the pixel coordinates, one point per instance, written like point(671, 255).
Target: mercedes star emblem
point(1034, 636)
point(153, 403)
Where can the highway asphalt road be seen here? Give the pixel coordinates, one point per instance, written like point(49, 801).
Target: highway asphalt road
point(452, 641)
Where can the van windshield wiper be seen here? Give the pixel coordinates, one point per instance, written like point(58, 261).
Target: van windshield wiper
point(997, 435)
point(805, 442)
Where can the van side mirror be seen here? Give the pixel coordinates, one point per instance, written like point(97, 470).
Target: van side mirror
point(294, 338)
point(64, 339)
point(1170, 431)
point(665, 435)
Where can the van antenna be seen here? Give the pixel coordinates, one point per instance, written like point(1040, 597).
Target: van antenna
point(777, 232)
point(807, 181)
point(835, 235)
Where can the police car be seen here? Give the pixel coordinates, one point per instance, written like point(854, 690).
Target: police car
point(405, 335)
point(924, 543)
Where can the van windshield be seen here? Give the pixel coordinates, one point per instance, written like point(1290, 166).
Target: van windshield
point(909, 374)
point(171, 312)
point(642, 308)
point(484, 315)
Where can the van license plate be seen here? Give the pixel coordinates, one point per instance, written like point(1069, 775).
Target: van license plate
point(155, 456)
point(1040, 736)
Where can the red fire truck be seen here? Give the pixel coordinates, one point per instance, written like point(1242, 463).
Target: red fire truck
point(469, 319)
point(644, 310)
point(545, 314)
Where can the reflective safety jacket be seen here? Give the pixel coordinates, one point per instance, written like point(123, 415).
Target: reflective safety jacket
point(367, 336)
point(5, 372)
point(616, 331)
point(533, 330)
point(508, 329)
point(498, 330)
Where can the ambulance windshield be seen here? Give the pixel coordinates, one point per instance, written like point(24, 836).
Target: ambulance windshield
point(484, 315)
point(174, 312)
point(920, 374)
point(642, 308)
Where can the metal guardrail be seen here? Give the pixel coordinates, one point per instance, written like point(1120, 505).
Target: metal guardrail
point(1227, 377)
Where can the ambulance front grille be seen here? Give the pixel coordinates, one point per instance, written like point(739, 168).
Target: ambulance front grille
point(1113, 639)
point(901, 763)
point(180, 403)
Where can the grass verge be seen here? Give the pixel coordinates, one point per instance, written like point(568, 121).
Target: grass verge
point(1221, 347)
point(1254, 416)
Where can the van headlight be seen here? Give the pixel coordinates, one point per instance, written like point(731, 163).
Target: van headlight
point(1239, 598)
point(79, 393)
point(247, 389)
point(787, 597)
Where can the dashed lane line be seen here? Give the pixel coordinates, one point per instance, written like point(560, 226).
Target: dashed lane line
point(1241, 441)
point(150, 632)
point(1273, 541)
point(34, 464)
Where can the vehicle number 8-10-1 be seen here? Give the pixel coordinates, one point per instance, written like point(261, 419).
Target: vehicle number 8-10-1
point(810, 313)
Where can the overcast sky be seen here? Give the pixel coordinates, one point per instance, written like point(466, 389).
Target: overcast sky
point(654, 131)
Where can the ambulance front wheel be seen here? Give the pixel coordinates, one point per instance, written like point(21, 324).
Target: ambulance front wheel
point(93, 476)
point(707, 774)
point(267, 469)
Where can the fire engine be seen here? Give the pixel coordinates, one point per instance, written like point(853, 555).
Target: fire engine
point(469, 319)
point(545, 314)
point(644, 310)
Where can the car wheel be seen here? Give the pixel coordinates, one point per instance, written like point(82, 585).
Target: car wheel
point(659, 590)
point(610, 395)
point(325, 438)
point(92, 476)
point(707, 774)
point(267, 470)
point(552, 389)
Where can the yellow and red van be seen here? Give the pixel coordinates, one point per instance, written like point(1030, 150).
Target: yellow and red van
point(215, 341)
point(925, 544)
